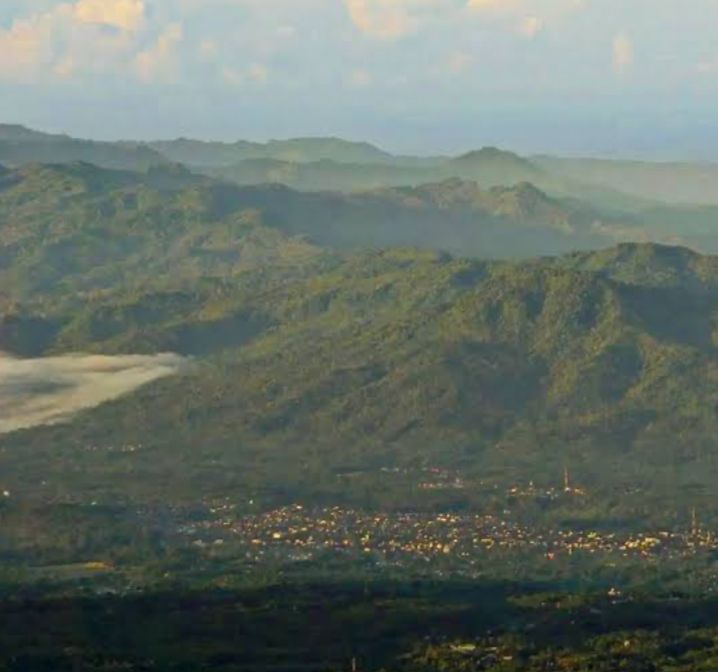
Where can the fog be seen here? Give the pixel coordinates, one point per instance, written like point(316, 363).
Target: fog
point(53, 389)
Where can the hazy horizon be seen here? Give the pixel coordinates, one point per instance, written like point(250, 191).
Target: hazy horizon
point(446, 152)
point(571, 77)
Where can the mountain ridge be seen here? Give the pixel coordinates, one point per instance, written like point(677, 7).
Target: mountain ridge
point(504, 368)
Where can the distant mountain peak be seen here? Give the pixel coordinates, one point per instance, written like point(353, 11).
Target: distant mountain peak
point(491, 166)
point(18, 132)
point(490, 154)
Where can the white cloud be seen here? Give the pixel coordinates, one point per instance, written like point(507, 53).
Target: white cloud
point(393, 19)
point(65, 67)
point(26, 46)
point(491, 5)
point(71, 38)
point(530, 26)
point(623, 53)
point(254, 73)
point(47, 391)
point(525, 17)
point(122, 14)
point(160, 60)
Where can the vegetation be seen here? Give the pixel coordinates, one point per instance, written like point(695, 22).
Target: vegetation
point(381, 625)
point(19, 145)
point(344, 346)
point(313, 362)
point(672, 182)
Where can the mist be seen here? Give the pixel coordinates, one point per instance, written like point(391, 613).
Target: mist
point(53, 389)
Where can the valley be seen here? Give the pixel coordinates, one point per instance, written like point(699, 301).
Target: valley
point(406, 388)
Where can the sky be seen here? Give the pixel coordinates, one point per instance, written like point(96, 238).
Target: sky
point(601, 77)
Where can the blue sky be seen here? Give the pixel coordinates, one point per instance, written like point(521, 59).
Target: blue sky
point(608, 77)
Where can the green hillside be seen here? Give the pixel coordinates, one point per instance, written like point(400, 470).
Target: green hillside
point(489, 167)
point(20, 146)
point(322, 175)
point(73, 228)
point(295, 150)
point(67, 230)
point(315, 164)
point(669, 181)
point(402, 360)
point(315, 354)
point(318, 164)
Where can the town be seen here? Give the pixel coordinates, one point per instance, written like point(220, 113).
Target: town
point(462, 539)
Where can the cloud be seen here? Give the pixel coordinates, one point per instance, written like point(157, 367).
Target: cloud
point(160, 60)
point(255, 73)
point(525, 17)
point(394, 19)
point(52, 390)
point(25, 46)
point(530, 26)
point(122, 14)
point(208, 50)
point(86, 36)
point(623, 53)
point(490, 5)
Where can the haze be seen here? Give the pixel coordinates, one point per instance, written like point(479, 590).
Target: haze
point(50, 390)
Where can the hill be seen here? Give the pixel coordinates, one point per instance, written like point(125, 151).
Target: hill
point(318, 355)
point(74, 228)
point(19, 146)
point(315, 164)
point(671, 182)
point(489, 167)
point(322, 175)
point(70, 229)
point(650, 265)
point(295, 150)
point(19, 133)
point(390, 362)
point(492, 166)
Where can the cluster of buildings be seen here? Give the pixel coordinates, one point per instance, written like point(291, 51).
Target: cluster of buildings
point(126, 448)
point(300, 532)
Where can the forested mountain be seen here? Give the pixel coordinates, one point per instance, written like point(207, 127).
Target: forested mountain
point(315, 355)
point(397, 360)
point(76, 227)
point(324, 175)
point(19, 146)
point(346, 417)
point(296, 150)
point(316, 352)
point(316, 164)
point(669, 181)
point(489, 166)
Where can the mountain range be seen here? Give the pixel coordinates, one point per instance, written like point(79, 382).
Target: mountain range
point(76, 226)
point(314, 164)
point(334, 333)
